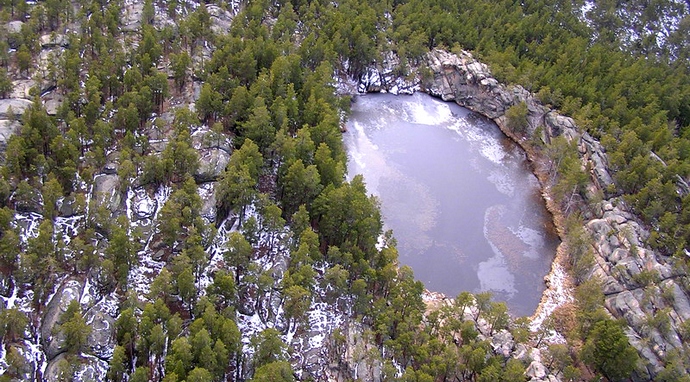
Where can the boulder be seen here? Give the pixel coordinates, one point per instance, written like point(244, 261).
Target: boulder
point(107, 191)
point(44, 64)
point(212, 163)
point(7, 129)
point(131, 20)
point(599, 162)
point(76, 368)
point(68, 206)
point(624, 304)
point(502, 343)
point(21, 89)
point(14, 26)
point(112, 163)
point(207, 192)
point(536, 371)
point(681, 304)
point(205, 138)
point(469, 83)
point(143, 206)
point(52, 102)
point(221, 19)
point(102, 338)
point(557, 124)
point(52, 340)
point(17, 105)
point(53, 39)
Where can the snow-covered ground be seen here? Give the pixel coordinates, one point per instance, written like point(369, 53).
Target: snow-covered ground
point(557, 294)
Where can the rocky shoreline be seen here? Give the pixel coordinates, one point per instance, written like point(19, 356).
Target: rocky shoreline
point(618, 238)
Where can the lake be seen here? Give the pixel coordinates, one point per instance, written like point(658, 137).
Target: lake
point(460, 197)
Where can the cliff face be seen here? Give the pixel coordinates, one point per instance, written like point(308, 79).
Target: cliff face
point(638, 284)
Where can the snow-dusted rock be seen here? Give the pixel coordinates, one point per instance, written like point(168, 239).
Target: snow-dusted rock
point(143, 206)
point(503, 343)
point(207, 192)
point(107, 191)
point(69, 206)
point(51, 338)
point(102, 338)
point(221, 19)
point(76, 368)
point(536, 371)
point(212, 163)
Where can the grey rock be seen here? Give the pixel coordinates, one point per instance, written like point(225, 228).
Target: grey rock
point(102, 338)
point(131, 21)
point(67, 206)
point(536, 370)
point(681, 304)
point(53, 40)
point(594, 152)
point(221, 20)
point(624, 304)
point(21, 89)
point(107, 191)
point(503, 343)
point(51, 338)
point(557, 124)
point(18, 106)
point(76, 368)
point(7, 129)
point(143, 206)
point(212, 163)
point(52, 102)
point(46, 58)
point(206, 139)
point(521, 352)
point(207, 191)
point(112, 163)
point(14, 26)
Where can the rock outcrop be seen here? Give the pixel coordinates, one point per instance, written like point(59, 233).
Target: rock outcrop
point(76, 368)
point(52, 339)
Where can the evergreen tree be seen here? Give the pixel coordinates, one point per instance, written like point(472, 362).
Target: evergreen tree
point(75, 329)
point(607, 349)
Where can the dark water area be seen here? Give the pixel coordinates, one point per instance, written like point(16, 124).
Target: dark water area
point(459, 196)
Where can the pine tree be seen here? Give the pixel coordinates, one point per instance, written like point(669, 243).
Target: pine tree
point(75, 329)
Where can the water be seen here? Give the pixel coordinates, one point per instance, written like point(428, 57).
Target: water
point(459, 196)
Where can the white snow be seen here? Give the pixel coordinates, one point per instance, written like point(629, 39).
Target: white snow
point(28, 223)
point(556, 295)
point(146, 270)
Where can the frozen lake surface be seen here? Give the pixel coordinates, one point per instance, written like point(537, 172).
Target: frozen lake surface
point(459, 196)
